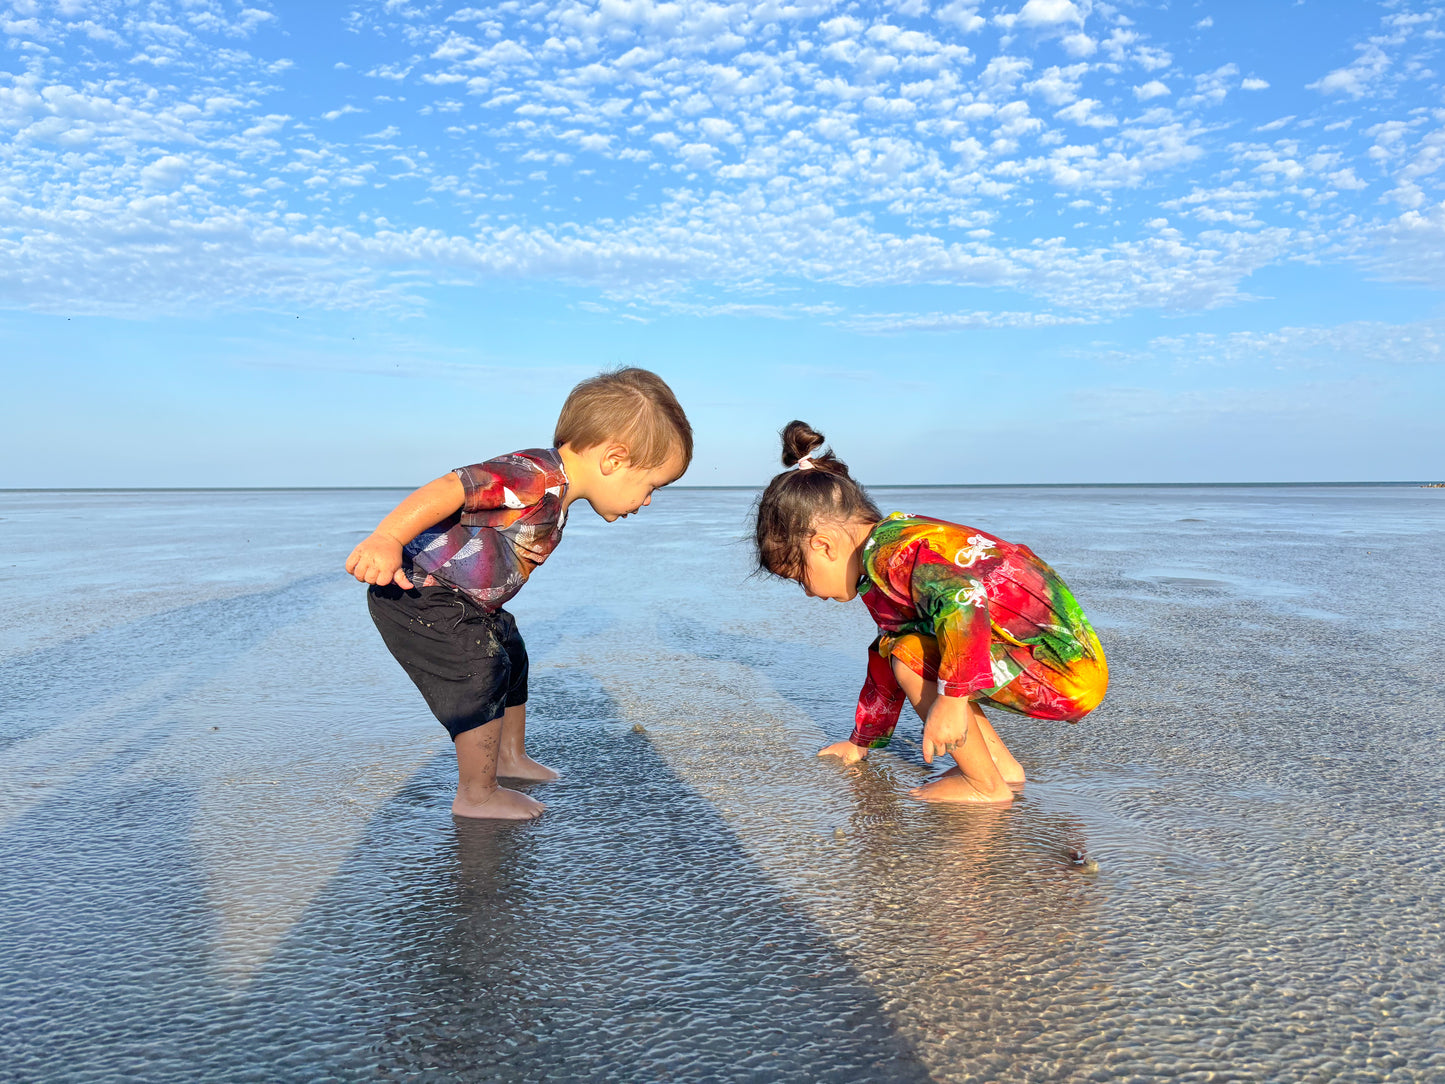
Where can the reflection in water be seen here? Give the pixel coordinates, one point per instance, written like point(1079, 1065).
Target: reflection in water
point(628, 937)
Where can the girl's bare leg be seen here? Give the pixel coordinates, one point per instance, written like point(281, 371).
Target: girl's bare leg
point(977, 778)
point(1011, 770)
point(922, 696)
point(478, 794)
point(512, 759)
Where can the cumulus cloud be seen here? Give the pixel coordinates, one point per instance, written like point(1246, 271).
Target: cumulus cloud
point(1050, 13)
point(653, 149)
point(1348, 347)
point(899, 323)
point(1356, 79)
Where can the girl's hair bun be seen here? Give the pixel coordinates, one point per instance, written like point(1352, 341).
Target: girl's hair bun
point(799, 439)
point(796, 501)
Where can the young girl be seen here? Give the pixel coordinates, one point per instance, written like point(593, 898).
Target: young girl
point(964, 619)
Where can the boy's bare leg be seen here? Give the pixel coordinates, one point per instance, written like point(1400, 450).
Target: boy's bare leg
point(978, 778)
point(478, 794)
point(922, 696)
point(512, 759)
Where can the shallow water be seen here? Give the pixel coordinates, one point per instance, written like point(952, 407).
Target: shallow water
point(226, 851)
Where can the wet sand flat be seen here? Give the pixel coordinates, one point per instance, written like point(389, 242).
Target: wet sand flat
point(226, 851)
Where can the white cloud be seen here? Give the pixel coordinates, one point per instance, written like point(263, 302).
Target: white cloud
point(899, 323)
point(664, 149)
point(1274, 125)
point(962, 15)
point(1050, 13)
point(1254, 84)
point(1348, 348)
point(1085, 112)
point(1357, 79)
point(1058, 86)
point(1410, 248)
point(165, 172)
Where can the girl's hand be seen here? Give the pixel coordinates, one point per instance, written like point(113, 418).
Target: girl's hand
point(946, 727)
point(845, 751)
point(377, 559)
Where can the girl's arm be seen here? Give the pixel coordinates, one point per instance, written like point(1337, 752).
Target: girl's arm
point(946, 729)
point(377, 558)
point(955, 602)
point(877, 713)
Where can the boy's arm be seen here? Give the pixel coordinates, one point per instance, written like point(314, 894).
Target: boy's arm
point(377, 558)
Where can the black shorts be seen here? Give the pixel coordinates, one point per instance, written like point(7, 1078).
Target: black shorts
point(469, 663)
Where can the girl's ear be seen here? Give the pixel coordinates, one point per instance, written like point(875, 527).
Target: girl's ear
point(823, 542)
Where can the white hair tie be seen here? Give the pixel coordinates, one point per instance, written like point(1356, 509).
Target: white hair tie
point(806, 463)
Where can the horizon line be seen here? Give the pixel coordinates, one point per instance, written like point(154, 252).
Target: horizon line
point(1422, 483)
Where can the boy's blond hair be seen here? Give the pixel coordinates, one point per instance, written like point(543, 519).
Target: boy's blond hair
point(632, 407)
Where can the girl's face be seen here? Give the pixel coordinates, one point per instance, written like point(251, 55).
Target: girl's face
point(831, 563)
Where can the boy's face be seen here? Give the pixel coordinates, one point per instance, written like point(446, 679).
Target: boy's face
point(622, 489)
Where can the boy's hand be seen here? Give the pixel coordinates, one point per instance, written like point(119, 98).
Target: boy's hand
point(946, 728)
point(845, 751)
point(377, 559)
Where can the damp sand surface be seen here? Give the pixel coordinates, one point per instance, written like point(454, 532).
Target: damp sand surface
point(226, 852)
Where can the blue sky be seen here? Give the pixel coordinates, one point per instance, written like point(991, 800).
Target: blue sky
point(1041, 241)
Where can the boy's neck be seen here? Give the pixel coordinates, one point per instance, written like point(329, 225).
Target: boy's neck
point(579, 470)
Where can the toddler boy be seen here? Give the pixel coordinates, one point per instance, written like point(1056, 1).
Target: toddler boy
point(443, 562)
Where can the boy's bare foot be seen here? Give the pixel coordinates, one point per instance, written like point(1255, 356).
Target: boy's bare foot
point(498, 804)
point(524, 767)
point(954, 786)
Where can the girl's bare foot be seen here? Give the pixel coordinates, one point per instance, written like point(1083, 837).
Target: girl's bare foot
point(498, 804)
point(521, 766)
point(954, 786)
point(1015, 785)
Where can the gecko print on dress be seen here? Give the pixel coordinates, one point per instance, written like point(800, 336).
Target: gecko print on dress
point(982, 617)
point(511, 519)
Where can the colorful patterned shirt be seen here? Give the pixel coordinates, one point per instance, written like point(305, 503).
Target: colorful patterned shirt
point(510, 520)
point(974, 612)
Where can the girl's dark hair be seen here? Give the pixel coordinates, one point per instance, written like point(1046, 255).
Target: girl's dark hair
point(796, 500)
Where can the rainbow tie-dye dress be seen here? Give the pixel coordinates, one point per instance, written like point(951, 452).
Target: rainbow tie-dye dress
point(982, 617)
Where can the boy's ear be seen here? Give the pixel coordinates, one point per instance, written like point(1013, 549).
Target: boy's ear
point(613, 457)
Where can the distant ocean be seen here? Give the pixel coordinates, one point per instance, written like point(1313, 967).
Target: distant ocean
point(226, 851)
